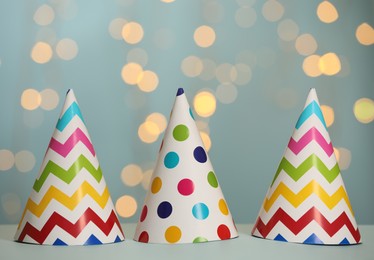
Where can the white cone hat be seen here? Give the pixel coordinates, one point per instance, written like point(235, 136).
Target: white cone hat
point(70, 203)
point(307, 201)
point(184, 203)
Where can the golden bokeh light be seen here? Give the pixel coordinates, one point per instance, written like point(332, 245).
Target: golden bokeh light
point(147, 176)
point(329, 64)
point(272, 10)
point(159, 119)
point(245, 17)
point(365, 34)
point(327, 12)
point(337, 153)
point(11, 203)
point(131, 175)
point(6, 160)
point(311, 66)
point(306, 44)
point(30, 99)
point(24, 161)
point(204, 104)
point(44, 15)
point(131, 73)
point(41, 52)
point(126, 206)
point(115, 28)
point(243, 74)
point(148, 132)
point(204, 36)
point(288, 30)
point(226, 93)
point(363, 110)
point(344, 158)
point(167, 1)
point(147, 81)
point(328, 115)
point(49, 99)
point(206, 140)
point(132, 32)
point(192, 66)
point(138, 55)
point(67, 49)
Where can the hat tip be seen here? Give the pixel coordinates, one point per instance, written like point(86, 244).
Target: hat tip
point(70, 90)
point(180, 91)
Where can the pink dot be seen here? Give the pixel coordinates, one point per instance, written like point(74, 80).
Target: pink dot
point(186, 187)
point(143, 215)
point(223, 232)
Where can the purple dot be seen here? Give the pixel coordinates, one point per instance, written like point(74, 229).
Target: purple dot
point(199, 154)
point(164, 209)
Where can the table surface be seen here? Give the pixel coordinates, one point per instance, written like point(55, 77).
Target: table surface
point(243, 247)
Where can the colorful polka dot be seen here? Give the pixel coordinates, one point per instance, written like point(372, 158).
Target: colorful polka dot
point(199, 154)
point(212, 179)
point(143, 237)
point(180, 91)
point(143, 215)
point(223, 232)
point(156, 185)
point(173, 234)
point(200, 211)
point(171, 160)
point(186, 187)
point(164, 209)
point(192, 114)
point(223, 207)
point(181, 132)
point(200, 240)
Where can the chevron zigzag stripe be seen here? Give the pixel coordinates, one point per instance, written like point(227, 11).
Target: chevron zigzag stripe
point(312, 108)
point(312, 188)
point(70, 113)
point(73, 229)
point(311, 215)
point(77, 136)
point(311, 161)
point(67, 175)
point(312, 135)
point(71, 202)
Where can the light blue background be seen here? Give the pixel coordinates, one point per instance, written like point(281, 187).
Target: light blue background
point(248, 136)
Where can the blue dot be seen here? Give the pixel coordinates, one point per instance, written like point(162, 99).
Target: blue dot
point(164, 209)
point(171, 160)
point(180, 91)
point(200, 211)
point(191, 114)
point(199, 154)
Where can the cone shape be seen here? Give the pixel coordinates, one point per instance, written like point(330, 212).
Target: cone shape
point(184, 203)
point(307, 201)
point(70, 203)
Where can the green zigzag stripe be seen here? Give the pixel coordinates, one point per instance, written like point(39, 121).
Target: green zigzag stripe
point(313, 160)
point(67, 175)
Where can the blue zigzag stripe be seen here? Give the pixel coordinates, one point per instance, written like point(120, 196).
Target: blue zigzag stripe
point(72, 111)
point(312, 108)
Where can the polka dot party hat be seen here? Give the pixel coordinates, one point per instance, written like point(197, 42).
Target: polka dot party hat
point(184, 203)
point(307, 201)
point(70, 202)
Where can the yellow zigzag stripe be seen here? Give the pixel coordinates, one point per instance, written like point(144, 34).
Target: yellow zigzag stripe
point(68, 202)
point(311, 188)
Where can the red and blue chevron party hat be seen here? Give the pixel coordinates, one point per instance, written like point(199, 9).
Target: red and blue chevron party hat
point(70, 202)
point(185, 203)
point(307, 201)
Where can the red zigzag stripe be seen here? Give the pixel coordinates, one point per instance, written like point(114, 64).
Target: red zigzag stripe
point(309, 216)
point(73, 229)
point(65, 149)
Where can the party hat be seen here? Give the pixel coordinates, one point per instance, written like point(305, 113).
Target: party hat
point(307, 201)
point(70, 203)
point(184, 203)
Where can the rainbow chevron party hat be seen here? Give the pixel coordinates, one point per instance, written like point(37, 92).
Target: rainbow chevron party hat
point(70, 203)
point(307, 201)
point(184, 203)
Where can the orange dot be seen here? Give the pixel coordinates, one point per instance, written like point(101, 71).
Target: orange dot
point(223, 207)
point(156, 185)
point(173, 234)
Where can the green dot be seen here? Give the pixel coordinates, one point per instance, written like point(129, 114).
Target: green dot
point(181, 132)
point(212, 180)
point(200, 240)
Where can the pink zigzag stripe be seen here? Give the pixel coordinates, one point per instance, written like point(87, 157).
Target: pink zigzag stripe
point(312, 134)
point(64, 149)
